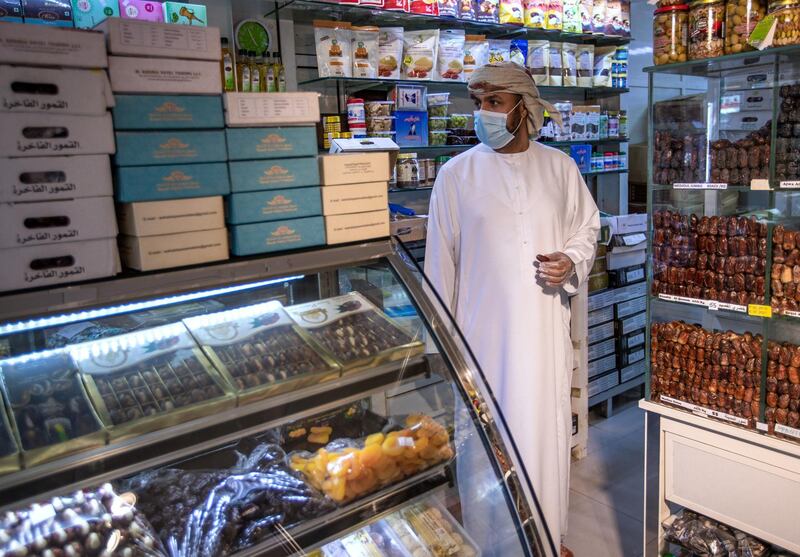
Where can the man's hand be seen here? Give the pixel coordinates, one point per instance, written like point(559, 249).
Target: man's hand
point(554, 268)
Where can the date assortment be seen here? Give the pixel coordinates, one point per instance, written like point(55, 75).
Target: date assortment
point(787, 146)
point(98, 522)
point(156, 386)
point(716, 370)
point(709, 258)
point(359, 335)
point(785, 271)
point(782, 385)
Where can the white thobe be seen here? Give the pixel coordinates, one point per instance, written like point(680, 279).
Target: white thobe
point(490, 215)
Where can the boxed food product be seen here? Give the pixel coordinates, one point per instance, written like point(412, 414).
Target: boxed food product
point(613, 19)
point(142, 148)
point(271, 143)
point(88, 13)
point(49, 222)
point(602, 349)
point(10, 12)
point(390, 52)
point(601, 315)
point(602, 331)
point(49, 178)
point(165, 251)
point(155, 112)
point(163, 75)
point(375, 338)
point(152, 218)
point(626, 275)
point(266, 237)
point(342, 229)
point(273, 173)
point(629, 292)
point(332, 38)
point(630, 307)
point(261, 351)
point(51, 91)
point(632, 323)
point(602, 365)
point(632, 371)
point(28, 134)
point(49, 407)
point(535, 13)
point(354, 198)
point(48, 12)
point(511, 12)
point(136, 37)
point(412, 128)
point(587, 7)
point(631, 340)
point(631, 356)
point(410, 97)
point(185, 14)
point(426, 528)
point(354, 168)
point(410, 229)
point(145, 10)
point(271, 205)
point(151, 379)
point(466, 10)
point(602, 299)
point(153, 183)
point(47, 46)
point(603, 383)
point(271, 109)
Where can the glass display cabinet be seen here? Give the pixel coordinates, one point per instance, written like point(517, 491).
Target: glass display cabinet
point(322, 404)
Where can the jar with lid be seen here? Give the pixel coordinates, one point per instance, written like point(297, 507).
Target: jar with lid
point(670, 34)
point(787, 28)
point(706, 27)
point(741, 17)
point(407, 170)
point(604, 125)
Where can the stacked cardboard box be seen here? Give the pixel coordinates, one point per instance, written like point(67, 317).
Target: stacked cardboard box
point(57, 219)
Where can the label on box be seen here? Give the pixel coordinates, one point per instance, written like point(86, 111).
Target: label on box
point(50, 178)
point(129, 74)
point(601, 332)
point(790, 313)
point(632, 357)
point(356, 198)
point(604, 383)
point(143, 112)
point(33, 45)
point(634, 340)
point(713, 305)
point(174, 250)
point(602, 365)
point(705, 412)
point(153, 218)
point(632, 371)
point(37, 135)
point(634, 275)
point(341, 229)
point(253, 109)
point(601, 300)
point(601, 349)
point(133, 37)
point(270, 205)
point(142, 9)
point(700, 186)
point(786, 430)
point(69, 91)
point(601, 315)
point(273, 173)
point(354, 168)
point(790, 184)
point(631, 324)
point(630, 307)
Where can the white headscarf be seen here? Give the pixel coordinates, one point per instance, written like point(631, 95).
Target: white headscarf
point(510, 77)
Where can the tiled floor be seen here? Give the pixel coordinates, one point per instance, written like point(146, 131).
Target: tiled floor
point(607, 486)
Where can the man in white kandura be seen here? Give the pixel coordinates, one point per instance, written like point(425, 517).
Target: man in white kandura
point(511, 234)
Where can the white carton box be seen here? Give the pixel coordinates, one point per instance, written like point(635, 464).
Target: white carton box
point(354, 168)
point(622, 258)
point(173, 250)
point(355, 198)
point(42, 45)
point(271, 109)
point(49, 222)
point(341, 229)
point(133, 37)
point(163, 75)
point(51, 178)
point(412, 229)
point(58, 263)
point(152, 218)
point(26, 89)
point(26, 134)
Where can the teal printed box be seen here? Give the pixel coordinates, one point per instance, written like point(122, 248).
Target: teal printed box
point(270, 205)
point(173, 147)
point(171, 181)
point(274, 173)
point(271, 143)
point(167, 112)
point(281, 235)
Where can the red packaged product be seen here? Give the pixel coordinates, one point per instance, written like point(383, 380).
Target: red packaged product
point(348, 1)
point(372, 3)
point(425, 7)
point(396, 5)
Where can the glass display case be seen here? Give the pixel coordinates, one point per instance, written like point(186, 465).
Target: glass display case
point(724, 278)
point(322, 404)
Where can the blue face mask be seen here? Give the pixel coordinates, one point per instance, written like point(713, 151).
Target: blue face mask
point(492, 128)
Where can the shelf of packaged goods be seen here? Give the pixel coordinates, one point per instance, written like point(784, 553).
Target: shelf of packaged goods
point(306, 11)
point(614, 391)
point(601, 172)
point(604, 141)
point(696, 307)
point(702, 187)
point(366, 83)
point(459, 148)
point(129, 456)
point(407, 190)
point(354, 515)
point(715, 67)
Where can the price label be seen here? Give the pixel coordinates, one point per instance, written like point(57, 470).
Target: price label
point(706, 412)
point(758, 310)
point(790, 184)
point(700, 186)
point(760, 426)
point(786, 430)
point(713, 305)
point(759, 184)
point(791, 313)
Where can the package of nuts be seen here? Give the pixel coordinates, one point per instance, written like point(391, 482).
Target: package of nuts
point(787, 15)
point(706, 29)
point(716, 370)
point(260, 350)
point(709, 258)
point(355, 333)
point(782, 386)
point(741, 17)
point(147, 380)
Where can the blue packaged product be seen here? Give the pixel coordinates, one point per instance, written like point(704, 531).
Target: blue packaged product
point(282, 235)
point(11, 11)
point(88, 13)
point(271, 143)
point(274, 173)
point(173, 147)
point(271, 205)
point(412, 128)
point(582, 155)
point(167, 112)
point(48, 12)
point(153, 183)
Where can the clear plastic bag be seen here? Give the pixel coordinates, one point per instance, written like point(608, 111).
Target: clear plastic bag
point(98, 522)
point(708, 538)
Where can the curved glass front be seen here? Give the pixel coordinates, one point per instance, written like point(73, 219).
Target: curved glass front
point(305, 414)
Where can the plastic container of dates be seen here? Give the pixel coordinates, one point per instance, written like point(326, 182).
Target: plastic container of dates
point(9, 451)
point(147, 380)
point(260, 351)
point(787, 28)
point(50, 411)
point(353, 332)
point(427, 528)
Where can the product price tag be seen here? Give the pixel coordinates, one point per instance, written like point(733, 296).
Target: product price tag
point(788, 313)
point(758, 310)
point(700, 186)
point(760, 426)
point(731, 307)
point(635, 275)
point(786, 430)
point(759, 184)
point(705, 412)
point(790, 184)
point(684, 300)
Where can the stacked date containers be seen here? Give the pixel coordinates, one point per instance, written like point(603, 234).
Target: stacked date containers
point(170, 172)
point(57, 220)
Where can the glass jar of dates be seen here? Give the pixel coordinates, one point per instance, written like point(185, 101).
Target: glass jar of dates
point(787, 28)
point(741, 17)
point(706, 24)
point(670, 34)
